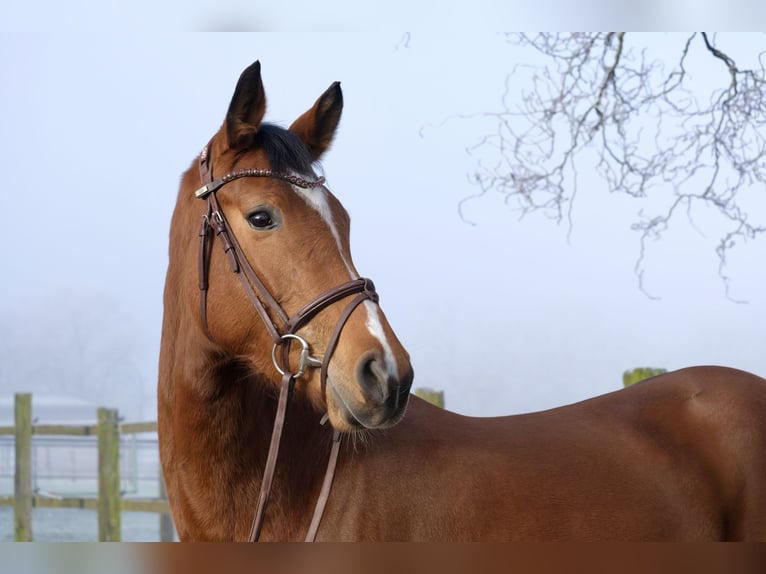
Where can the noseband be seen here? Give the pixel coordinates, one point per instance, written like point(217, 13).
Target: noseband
point(281, 326)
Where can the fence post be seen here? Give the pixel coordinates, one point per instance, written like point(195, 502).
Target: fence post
point(22, 484)
point(167, 530)
point(109, 500)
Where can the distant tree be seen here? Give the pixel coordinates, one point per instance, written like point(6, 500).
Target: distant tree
point(644, 126)
point(641, 373)
point(431, 395)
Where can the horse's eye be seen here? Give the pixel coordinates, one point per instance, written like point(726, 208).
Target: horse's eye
point(261, 220)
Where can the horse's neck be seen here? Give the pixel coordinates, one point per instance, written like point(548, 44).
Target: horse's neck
point(230, 422)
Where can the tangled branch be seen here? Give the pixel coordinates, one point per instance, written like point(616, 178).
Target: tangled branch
point(602, 101)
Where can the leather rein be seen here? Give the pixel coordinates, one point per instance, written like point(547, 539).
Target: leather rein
point(283, 332)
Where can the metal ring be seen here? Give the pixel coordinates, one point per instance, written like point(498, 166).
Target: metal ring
point(305, 360)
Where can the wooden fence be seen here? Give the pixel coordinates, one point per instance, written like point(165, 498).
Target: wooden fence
point(109, 503)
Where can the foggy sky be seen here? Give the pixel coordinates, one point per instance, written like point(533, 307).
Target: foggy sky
point(503, 315)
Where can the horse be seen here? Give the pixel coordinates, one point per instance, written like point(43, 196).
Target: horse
point(284, 405)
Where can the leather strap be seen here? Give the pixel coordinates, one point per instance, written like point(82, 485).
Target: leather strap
point(204, 269)
point(308, 311)
point(205, 165)
point(213, 186)
point(324, 493)
point(239, 265)
point(333, 341)
point(285, 388)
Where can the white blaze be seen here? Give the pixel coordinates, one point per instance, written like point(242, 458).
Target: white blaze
point(375, 327)
point(317, 199)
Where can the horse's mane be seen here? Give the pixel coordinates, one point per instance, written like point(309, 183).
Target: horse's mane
point(285, 150)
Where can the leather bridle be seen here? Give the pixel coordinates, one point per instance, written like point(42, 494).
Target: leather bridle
point(281, 327)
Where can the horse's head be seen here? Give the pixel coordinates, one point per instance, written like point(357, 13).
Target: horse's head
point(290, 239)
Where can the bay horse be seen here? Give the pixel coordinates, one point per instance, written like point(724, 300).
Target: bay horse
point(274, 349)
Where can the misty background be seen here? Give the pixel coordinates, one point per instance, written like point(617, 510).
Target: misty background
point(504, 315)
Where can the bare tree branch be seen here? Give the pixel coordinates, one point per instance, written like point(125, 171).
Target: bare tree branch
point(601, 100)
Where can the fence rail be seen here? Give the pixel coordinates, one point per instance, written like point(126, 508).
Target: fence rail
point(109, 503)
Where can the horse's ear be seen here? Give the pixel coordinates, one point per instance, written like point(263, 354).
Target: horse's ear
point(317, 126)
point(248, 104)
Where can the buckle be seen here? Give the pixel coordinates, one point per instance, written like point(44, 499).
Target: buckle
point(208, 188)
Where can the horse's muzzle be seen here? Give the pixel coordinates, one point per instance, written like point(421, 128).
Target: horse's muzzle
point(383, 395)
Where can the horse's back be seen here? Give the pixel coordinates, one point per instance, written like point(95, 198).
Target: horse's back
point(679, 457)
point(696, 437)
point(684, 453)
point(715, 418)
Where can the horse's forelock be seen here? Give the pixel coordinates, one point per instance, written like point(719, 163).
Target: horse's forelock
point(284, 150)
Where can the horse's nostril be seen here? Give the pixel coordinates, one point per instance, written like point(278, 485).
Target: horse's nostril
point(373, 378)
